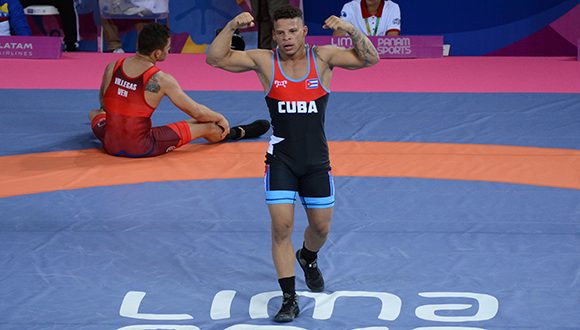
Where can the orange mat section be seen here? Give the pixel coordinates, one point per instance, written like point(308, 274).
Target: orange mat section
point(53, 171)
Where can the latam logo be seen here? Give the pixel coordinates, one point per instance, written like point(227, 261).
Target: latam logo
point(16, 45)
point(481, 307)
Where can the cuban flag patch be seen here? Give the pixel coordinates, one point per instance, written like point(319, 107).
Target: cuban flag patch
point(311, 83)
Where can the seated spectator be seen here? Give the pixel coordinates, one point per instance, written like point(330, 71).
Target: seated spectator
point(68, 17)
point(12, 19)
point(141, 8)
point(112, 36)
point(372, 17)
point(142, 12)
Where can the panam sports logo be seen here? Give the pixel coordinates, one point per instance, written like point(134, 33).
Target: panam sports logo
point(311, 83)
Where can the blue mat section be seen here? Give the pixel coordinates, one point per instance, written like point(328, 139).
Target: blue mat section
point(402, 254)
point(70, 258)
point(56, 120)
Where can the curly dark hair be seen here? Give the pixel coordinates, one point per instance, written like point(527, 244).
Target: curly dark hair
point(152, 37)
point(287, 12)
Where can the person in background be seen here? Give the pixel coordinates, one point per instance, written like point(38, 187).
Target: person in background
point(133, 9)
point(111, 33)
point(69, 19)
point(372, 17)
point(12, 19)
point(263, 11)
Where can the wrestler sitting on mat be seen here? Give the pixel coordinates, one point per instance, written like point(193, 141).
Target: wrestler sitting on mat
point(133, 87)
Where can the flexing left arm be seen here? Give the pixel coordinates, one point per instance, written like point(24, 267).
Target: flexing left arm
point(363, 54)
point(363, 47)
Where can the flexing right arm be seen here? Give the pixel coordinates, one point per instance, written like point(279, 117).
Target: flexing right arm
point(221, 55)
point(195, 110)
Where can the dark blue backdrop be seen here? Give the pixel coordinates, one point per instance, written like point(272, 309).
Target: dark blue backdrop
point(498, 27)
point(472, 27)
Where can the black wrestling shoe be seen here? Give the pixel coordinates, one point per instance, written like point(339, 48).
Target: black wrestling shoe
point(289, 310)
point(250, 131)
point(312, 275)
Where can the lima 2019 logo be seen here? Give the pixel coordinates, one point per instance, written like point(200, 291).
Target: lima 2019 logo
point(441, 314)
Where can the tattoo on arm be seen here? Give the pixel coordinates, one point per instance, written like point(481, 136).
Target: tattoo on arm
point(363, 47)
point(153, 85)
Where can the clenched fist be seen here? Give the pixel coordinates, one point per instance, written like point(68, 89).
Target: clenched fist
point(336, 24)
point(243, 20)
